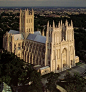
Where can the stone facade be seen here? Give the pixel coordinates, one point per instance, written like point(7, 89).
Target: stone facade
point(55, 52)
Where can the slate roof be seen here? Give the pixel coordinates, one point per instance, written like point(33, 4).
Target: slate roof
point(37, 38)
point(13, 32)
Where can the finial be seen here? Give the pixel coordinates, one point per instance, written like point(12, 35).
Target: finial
point(20, 9)
point(53, 24)
point(32, 10)
point(59, 24)
point(71, 23)
point(66, 23)
point(27, 9)
point(47, 26)
point(43, 32)
point(48, 23)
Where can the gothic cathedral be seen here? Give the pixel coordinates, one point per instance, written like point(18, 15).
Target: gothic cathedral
point(53, 52)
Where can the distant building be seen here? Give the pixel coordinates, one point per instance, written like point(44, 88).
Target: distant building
point(55, 52)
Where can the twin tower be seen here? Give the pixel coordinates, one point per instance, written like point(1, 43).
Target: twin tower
point(60, 47)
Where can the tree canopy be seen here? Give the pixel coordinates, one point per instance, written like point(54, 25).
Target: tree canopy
point(52, 79)
point(76, 83)
point(14, 71)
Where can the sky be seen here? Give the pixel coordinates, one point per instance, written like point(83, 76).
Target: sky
point(29, 3)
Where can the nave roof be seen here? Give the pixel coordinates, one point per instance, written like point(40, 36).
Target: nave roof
point(16, 34)
point(37, 37)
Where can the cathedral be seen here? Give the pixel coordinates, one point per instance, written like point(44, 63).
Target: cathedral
point(54, 52)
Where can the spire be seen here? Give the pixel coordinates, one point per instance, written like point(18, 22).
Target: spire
point(25, 11)
point(53, 24)
point(66, 23)
point(43, 32)
point(71, 23)
point(32, 11)
point(20, 10)
point(59, 24)
point(48, 24)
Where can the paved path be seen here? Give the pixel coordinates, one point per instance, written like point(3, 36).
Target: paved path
point(79, 69)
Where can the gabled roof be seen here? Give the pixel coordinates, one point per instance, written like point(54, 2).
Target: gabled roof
point(13, 32)
point(40, 38)
point(37, 38)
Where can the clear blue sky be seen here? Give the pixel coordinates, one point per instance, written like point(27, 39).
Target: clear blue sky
point(67, 3)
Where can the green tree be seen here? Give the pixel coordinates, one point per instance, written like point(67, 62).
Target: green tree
point(15, 71)
point(76, 83)
point(52, 80)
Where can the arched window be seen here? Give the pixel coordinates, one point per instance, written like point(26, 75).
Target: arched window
point(58, 67)
point(71, 62)
point(29, 29)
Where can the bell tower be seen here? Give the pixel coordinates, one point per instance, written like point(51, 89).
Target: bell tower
point(26, 25)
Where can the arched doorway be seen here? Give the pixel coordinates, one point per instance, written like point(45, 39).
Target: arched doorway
point(64, 58)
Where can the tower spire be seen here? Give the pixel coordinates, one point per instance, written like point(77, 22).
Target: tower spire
point(61, 22)
point(43, 32)
point(48, 24)
point(66, 23)
point(53, 24)
point(71, 23)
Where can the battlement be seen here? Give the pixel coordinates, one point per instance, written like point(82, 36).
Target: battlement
point(26, 12)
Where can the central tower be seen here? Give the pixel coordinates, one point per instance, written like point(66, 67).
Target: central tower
point(26, 25)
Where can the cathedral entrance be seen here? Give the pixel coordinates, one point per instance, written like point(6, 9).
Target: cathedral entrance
point(64, 58)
